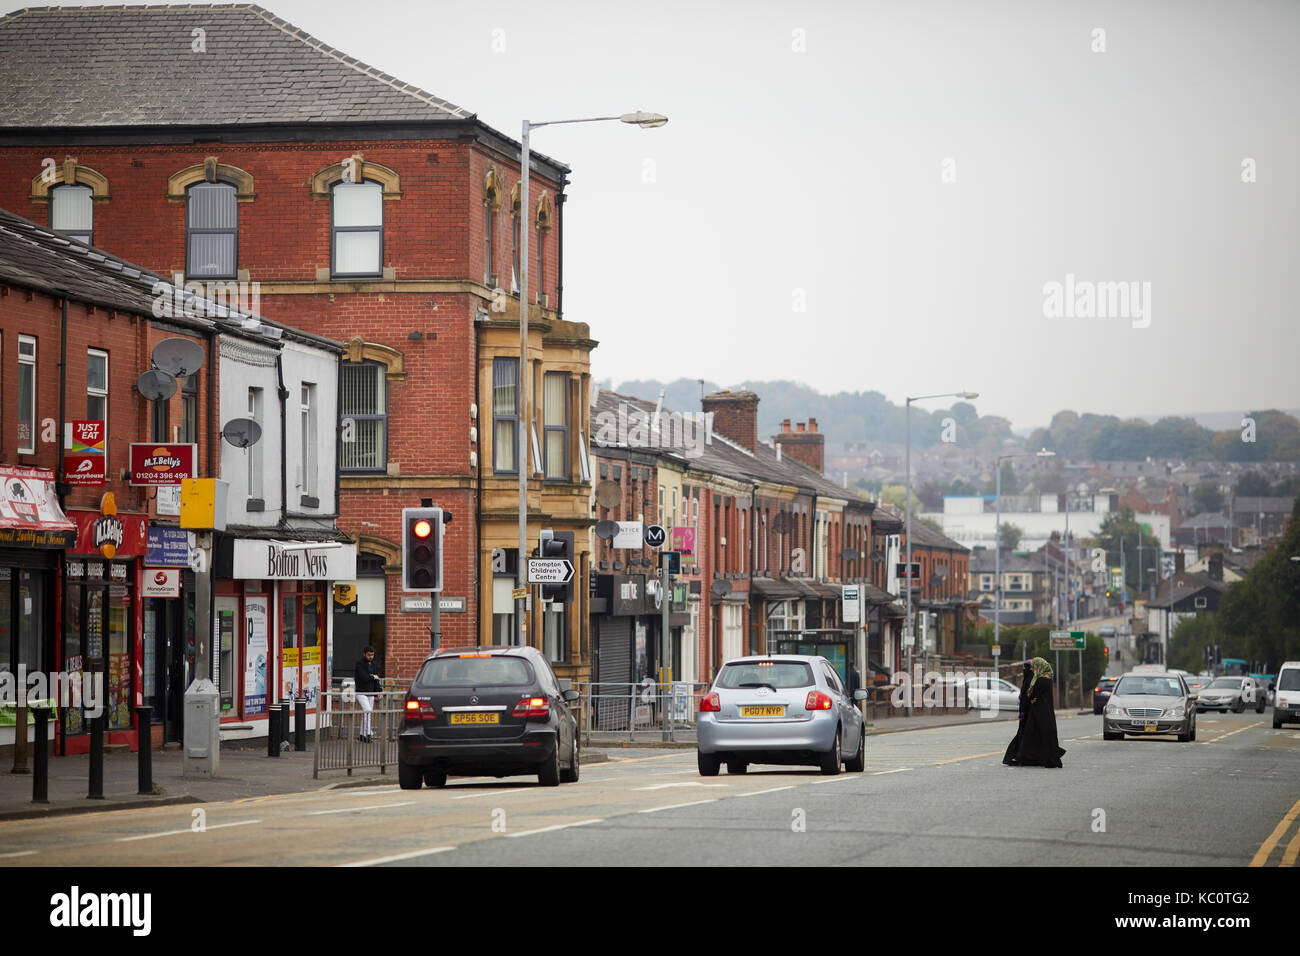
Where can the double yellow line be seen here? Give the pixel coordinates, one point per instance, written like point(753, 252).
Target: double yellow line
point(1292, 849)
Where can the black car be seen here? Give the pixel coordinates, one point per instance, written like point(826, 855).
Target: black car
point(1101, 693)
point(490, 711)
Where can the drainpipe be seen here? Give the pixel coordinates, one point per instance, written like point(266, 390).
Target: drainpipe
point(338, 436)
point(284, 440)
point(60, 488)
point(560, 199)
point(478, 487)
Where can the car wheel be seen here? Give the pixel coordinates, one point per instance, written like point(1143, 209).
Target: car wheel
point(1107, 735)
point(1191, 737)
point(708, 764)
point(858, 763)
point(832, 759)
point(1239, 706)
point(1277, 723)
point(737, 766)
point(549, 775)
point(435, 778)
point(409, 776)
point(571, 775)
point(1259, 706)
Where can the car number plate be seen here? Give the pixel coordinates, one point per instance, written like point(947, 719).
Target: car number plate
point(1149, 728)
point(488, 717)
point(769, 711)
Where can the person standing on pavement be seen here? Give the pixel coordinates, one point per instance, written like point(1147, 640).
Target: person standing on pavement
point(367, 677)
point(1039, 745)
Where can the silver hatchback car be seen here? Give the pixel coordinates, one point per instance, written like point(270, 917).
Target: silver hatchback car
point(781, 709)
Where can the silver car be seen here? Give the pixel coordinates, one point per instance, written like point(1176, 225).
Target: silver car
point(1145, 704)
point(781, 709)
point(1228, 693)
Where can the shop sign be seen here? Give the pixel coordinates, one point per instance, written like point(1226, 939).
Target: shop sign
point(629, 535)
point(83, 463)
point(295, 561)
point(159, 464)
point(683, 540)
point(108, 534)
point(29, 511)
point(161, 583)
point(168, 548)
point(446, 605)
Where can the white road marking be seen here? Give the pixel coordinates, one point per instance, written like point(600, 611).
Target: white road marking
point(674, 806)
point(880, 773)
point(558, 826)
point(373, 806)
point(754, 793)
point(691, 783)
point(215, 826)
point(400, 856)
point(19, 853)
point(494, 793)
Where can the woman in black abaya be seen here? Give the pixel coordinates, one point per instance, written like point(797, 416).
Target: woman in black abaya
point(1039, 746)
point(1013, 749)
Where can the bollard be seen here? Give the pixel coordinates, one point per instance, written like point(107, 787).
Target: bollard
point(273, 730)
point(300, 724)
point(283, 742)
point(96, 758)
point(41, 758)
point(144, 746)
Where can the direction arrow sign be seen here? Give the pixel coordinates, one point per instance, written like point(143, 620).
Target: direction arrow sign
point(549, 571)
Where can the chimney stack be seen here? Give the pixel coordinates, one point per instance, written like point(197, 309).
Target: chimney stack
point(735, 416)
point(805, 445)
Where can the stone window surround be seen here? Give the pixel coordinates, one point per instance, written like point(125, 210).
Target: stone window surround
point(71, 173)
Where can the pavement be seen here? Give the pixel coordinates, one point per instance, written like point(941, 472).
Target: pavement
point(248, 772)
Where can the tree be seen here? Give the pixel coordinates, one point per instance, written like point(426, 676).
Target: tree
point(1207, 496)
point(1253, 485)
point(930, 495)
point(1010, 483)
point(1123, 526)
point(1010, 535)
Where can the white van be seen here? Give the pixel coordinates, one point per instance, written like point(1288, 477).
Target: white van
point(1286, 705)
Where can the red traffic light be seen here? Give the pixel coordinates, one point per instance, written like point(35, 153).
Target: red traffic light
point(422, 529)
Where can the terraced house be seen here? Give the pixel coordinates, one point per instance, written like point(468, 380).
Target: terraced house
point(227, 148)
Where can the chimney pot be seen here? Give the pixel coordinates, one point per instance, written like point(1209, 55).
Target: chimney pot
point(799, 426)
point(812, 424)
point(785, 425)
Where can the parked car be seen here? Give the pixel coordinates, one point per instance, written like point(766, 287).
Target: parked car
point(491, 711)
point(1229, 693)
point(987, 693)
point(1286, 707)
point(1101, 693)
point(1269, 683)
point(1146, 704)
point(780, 709)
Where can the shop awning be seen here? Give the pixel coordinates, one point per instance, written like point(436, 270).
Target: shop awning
point(30, 516)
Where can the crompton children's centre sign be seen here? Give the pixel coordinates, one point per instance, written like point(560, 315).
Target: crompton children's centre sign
point(296, 561)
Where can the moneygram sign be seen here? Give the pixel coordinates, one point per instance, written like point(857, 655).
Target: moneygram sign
point(157, 464)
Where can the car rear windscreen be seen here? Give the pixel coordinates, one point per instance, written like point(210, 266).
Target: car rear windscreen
point(493, 671)
point(778, 674)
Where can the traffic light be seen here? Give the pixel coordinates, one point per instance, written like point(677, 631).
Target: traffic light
point(557, 544)
point(422, 549)
point(1105, 651)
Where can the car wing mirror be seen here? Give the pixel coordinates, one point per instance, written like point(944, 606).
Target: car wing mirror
point(860, 694)
point(570, 695)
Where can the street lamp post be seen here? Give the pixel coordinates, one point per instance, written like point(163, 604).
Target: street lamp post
point(997, 535)
point(645, 121)
point(907, 624)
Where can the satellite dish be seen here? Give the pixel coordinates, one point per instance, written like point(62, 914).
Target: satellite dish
point(608, 494)
point(720, 587)
point(606, 530)
point(156, 385)
point(242, 432)
point(178, 357)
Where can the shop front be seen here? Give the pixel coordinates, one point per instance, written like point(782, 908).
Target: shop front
point(101, 624)
point(33, 533)
point(273, 626)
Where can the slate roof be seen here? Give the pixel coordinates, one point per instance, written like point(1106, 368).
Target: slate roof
point(35, 257)
point(1183, 585)
point(135, 66)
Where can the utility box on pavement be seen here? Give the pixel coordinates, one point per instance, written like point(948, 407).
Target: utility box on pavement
point(202, 729)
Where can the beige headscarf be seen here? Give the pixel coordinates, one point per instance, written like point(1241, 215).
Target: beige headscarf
point(1041, 669)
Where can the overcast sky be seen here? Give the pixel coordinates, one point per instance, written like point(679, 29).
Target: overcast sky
point(911, 175)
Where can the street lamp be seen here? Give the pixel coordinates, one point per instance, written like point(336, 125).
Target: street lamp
point(907, 624)
point(639, 118)
point(997, 536)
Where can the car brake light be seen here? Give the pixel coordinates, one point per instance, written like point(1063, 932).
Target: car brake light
point(817, 701)
point(418, 710)
point(711, 704)
point(533, 708)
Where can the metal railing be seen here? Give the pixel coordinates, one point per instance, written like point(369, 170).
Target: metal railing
point(341, 720)
point(637, 711)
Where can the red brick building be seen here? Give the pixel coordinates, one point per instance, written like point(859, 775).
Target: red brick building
point(332, 197)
